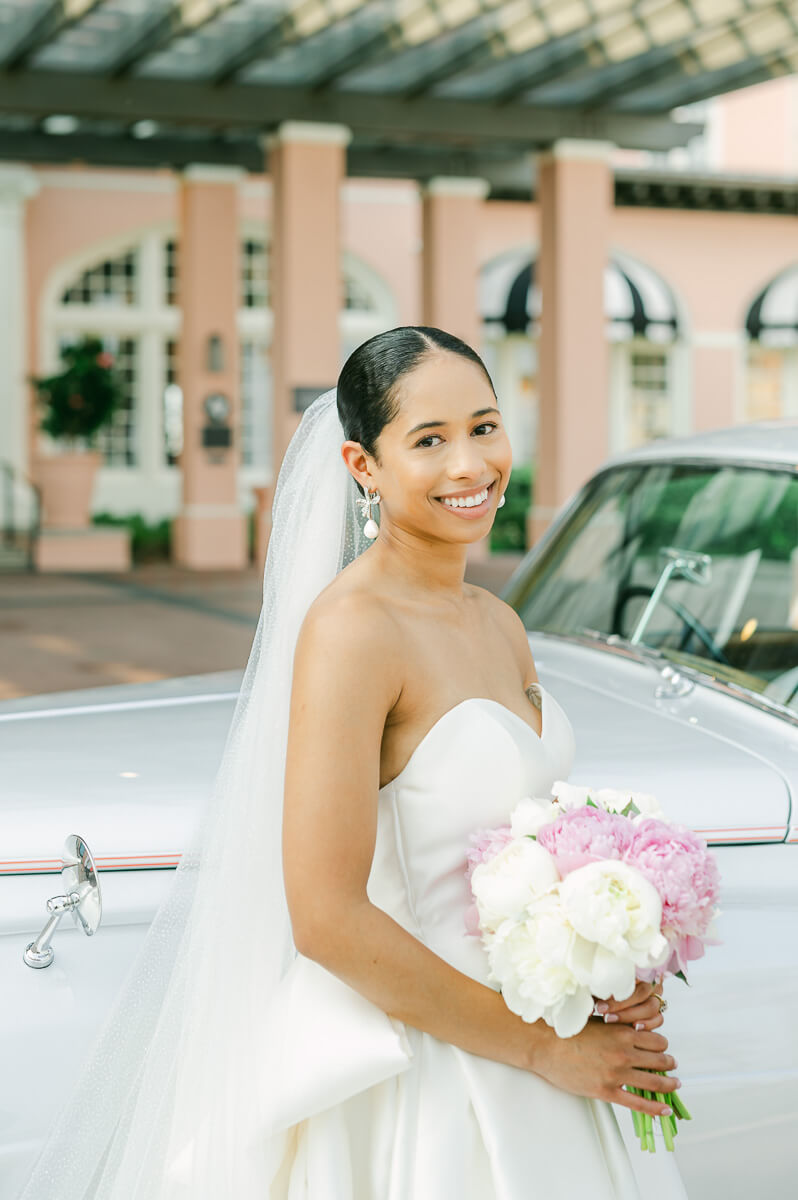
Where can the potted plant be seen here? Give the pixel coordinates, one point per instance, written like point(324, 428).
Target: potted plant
point(76, 402)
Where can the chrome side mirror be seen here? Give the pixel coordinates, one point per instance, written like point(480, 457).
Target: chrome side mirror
point(81, 898)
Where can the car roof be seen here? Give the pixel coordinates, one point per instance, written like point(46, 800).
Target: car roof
point(767, 442)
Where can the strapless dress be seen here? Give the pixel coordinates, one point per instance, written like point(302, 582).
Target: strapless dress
point(372, 1109)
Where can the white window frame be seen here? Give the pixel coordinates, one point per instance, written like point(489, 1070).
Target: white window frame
point(153, 487)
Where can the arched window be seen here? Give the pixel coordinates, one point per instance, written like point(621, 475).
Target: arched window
point(771, 324)
point(643, 330)
point(121, 293)
point(127, 293)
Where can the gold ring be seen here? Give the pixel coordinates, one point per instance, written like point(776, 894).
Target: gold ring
point(663, 1003)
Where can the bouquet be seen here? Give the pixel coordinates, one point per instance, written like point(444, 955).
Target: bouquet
point(581, 895)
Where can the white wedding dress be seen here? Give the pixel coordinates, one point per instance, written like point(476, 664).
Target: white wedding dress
point(371, 1109)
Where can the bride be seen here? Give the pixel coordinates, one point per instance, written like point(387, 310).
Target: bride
point(307, 1018)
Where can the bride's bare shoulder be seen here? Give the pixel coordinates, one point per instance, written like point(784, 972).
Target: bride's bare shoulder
point(352, 624)
point(507, 620)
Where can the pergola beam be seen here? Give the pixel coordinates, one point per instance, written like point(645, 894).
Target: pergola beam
point(179, 19)
point(289, 29)
point(93, 149)
point(157, 35)
point(770, 22)
point(597, 45)
point(513, 170)
point(57, 17)
point(266, 43)
point(417, 25)
point(733, 79)
point(252, 106)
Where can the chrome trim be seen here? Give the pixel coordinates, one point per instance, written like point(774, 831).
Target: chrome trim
point(80, 710)
point(700, 458)
point(606, 644)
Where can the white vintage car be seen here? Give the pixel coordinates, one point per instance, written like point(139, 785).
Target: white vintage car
point(662, 606)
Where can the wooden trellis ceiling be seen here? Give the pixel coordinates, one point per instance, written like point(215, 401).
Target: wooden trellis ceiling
point(425, 85)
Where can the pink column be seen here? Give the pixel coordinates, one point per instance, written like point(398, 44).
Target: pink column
point(307, 165)
point(575, 196)
point(210, 531)
point(451, 214)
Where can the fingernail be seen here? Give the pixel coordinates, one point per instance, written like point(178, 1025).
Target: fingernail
point(602, 1006)
point(610, 1017)
point(675, 1064)
point(666, 1112)
point(678, 1082)
point(640, 1024)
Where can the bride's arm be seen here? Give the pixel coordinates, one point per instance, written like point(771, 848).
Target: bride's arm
point(641, 1009)
point(348, 673)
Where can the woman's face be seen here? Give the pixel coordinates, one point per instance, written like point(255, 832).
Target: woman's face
point(445, 459)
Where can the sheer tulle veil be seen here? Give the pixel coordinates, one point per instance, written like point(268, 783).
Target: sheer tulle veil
point(173, 1100)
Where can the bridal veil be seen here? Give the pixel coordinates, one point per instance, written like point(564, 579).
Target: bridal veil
point(176, 1097)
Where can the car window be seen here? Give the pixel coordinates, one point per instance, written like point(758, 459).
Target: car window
point(698, 562)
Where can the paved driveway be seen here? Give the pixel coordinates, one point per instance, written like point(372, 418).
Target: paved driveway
point(60, 632)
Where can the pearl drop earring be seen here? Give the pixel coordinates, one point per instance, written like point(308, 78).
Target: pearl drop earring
point(501, 501)
point(371, 528)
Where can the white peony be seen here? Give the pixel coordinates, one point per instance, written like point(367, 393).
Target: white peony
point(504, 885)
point(531, 814)
point(610, 799)
point(612, 905)
point(648, 806)
point(531, 961)
point(570, 795)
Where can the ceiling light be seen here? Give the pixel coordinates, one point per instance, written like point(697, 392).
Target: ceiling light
point(59, 124)
point(144, 129)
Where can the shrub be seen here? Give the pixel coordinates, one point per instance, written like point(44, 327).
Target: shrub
point(509, 527)
point(82, 398)
point(149, 541)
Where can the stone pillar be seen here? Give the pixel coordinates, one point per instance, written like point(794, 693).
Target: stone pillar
point(307, 165)
point(575, 194)
point(451, 212)
point(210, 532)
point(17, 184)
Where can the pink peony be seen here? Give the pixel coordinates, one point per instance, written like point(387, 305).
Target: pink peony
point(486, 845)
point(585, 835)
point(684, 872)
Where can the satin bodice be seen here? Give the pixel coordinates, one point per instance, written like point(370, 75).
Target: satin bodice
point(384, 1111)
point(467, 773)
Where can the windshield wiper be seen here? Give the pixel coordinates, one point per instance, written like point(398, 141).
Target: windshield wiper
point(681, 564)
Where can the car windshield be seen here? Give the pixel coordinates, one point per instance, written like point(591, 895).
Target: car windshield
point(698, 562)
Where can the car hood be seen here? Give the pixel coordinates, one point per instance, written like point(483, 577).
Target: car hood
point(715, 763)
point(130, 768)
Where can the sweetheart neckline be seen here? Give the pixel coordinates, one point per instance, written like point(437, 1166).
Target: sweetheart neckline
point(471, 700)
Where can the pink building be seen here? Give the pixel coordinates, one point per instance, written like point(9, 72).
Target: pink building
point(700, 254)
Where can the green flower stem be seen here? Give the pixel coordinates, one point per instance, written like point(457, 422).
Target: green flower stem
point(644, 1123)
point(667, 1123)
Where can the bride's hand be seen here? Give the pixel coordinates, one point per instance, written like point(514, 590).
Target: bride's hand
point(601, 1060)
point(641, 1009)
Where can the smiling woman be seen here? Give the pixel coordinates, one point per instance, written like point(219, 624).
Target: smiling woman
point(360, 1049)
point(441, 451)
